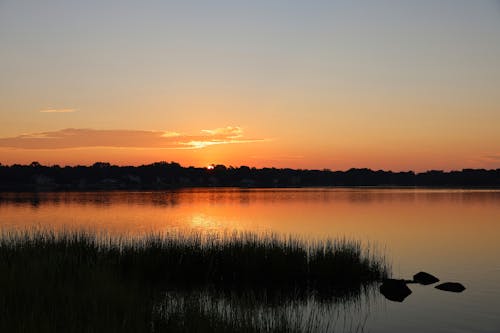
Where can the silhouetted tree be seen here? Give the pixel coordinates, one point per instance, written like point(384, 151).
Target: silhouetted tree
point(164, 175)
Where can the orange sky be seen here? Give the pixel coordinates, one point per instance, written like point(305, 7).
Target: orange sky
point(400, 86)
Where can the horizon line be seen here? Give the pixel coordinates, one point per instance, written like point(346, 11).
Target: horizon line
point(213, 165)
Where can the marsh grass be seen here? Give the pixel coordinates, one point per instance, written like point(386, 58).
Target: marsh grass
point(82, 281)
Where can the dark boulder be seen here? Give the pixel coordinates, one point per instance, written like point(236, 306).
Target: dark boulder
point(395, 290)
point(425, 278)
point(451, 286)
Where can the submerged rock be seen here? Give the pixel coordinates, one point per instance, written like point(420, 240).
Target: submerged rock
point(451, 286)
point(425, 278)
point(395, 290)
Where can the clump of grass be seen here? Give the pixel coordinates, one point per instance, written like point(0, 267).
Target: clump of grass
point(84, 281)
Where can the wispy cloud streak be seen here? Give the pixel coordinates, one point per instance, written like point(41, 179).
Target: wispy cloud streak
point(58, 110)
point(86, 138)
point(495, 157)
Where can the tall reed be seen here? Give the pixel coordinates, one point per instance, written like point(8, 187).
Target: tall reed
point(84, 281)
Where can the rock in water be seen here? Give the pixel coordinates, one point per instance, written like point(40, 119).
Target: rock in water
point(395, 290)
point(425, 278)
point(451, 286)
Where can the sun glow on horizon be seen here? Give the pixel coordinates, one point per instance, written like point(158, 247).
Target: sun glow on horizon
point(334, 84)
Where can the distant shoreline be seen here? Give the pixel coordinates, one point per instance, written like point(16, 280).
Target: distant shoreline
point(360, 187)
point(171, 176)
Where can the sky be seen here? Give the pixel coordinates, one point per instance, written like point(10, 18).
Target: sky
point(393, 85)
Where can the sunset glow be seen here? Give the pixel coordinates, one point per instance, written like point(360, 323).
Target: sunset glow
point(249, 166)
point(330, 85)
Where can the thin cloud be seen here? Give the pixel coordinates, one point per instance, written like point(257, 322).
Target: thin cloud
point(278, 157)
point(491, 157)
point(86, 138)
point(229, 131)
point(58, 110)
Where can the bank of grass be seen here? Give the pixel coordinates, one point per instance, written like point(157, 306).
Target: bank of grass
point(88, 282)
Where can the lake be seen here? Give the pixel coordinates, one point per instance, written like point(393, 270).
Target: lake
point(453, 234)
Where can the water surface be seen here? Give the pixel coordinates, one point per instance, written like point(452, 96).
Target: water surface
point(451, 233)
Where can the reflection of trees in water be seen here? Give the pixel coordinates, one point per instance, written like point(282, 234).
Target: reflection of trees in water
point(98, 199)
point(247, 196)
point(260, 311)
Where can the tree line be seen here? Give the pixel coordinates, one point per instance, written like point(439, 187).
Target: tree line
point(164, 175)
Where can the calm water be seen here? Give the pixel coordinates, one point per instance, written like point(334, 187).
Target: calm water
point(453, 234)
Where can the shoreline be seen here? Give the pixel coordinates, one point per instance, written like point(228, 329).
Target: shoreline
point(34, 189)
